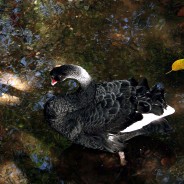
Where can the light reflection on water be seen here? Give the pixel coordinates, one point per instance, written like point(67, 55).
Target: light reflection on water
point(12, 80)
point(111, 39)
point(12, 173)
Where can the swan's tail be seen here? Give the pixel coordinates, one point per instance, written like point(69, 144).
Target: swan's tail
point(150, 107)
point(146, 99)
point(149, 103)
point(117, 142)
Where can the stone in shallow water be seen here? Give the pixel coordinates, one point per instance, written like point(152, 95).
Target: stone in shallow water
point(43, 163)
point(38, 74)
point(23, 61)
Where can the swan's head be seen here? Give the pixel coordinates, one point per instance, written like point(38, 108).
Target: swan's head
point(61, 73)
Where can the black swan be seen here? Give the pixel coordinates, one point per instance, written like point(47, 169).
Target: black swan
point(105, 115)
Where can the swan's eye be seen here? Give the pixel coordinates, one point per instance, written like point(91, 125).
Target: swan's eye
point(57, 78)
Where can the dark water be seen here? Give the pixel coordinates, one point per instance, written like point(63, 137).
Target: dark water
point(112, 39)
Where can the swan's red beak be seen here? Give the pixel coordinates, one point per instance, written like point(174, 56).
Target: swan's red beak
point(53, 82)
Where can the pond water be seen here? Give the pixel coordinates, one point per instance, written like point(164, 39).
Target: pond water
point(112, 39)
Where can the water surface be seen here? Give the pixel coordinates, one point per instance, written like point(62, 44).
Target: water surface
point(112, 39)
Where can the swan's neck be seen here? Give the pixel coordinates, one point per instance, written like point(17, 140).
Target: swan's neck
point(84, 78)
point(83, 97)
point(85, 94)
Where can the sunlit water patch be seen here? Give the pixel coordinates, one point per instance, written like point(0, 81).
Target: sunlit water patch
point(9, 99)
point(14, 80)
point(10, 173)
point(9, 81)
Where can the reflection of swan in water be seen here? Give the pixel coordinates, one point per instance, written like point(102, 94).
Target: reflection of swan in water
point(144, 158)
point(104, 115)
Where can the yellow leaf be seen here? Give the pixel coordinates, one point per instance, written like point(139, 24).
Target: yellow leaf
point(177, 65)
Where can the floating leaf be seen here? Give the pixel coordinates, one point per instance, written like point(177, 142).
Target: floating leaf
point(177, 65)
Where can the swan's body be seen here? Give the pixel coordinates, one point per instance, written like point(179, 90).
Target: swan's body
point(102, 116)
